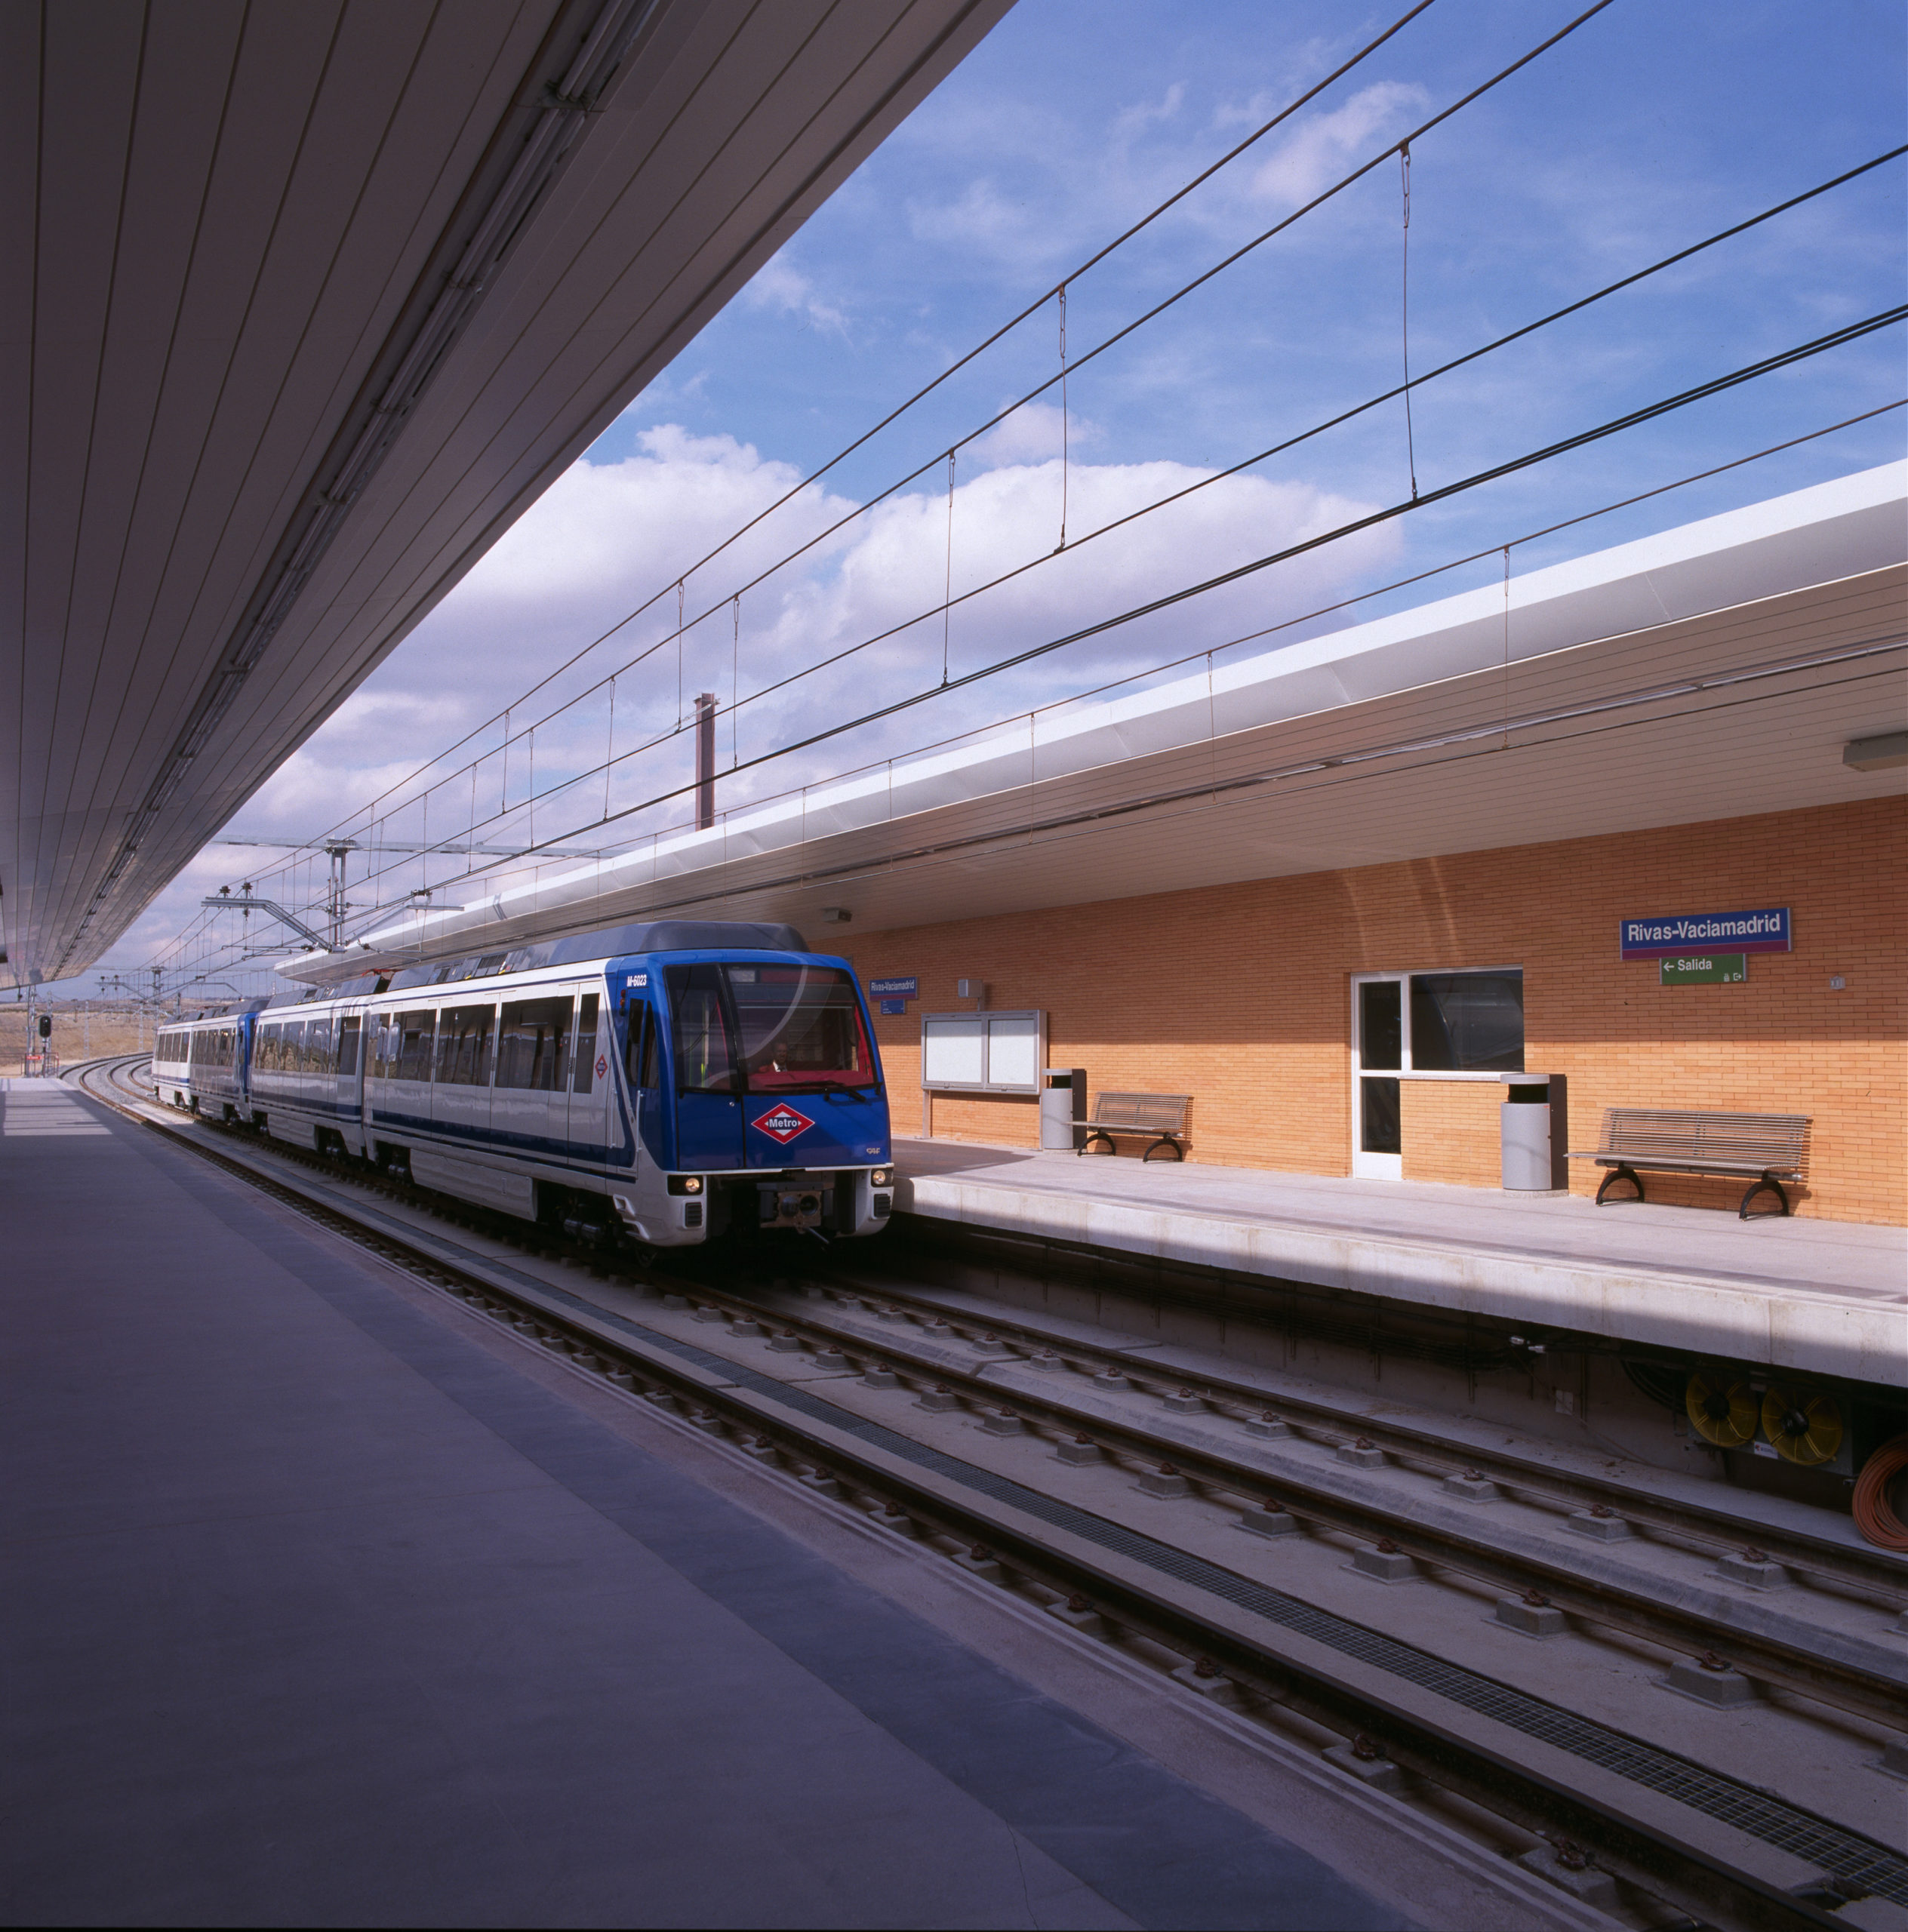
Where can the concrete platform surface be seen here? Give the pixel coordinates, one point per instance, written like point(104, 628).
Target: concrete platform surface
point(1828, 1296)
point(320, 1610)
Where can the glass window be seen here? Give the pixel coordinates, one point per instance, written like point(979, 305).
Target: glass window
point(348, 1045)
point(530, 1045)
point(584, 1059)
point(1380, 1024)
point(1466, 1022)
point(705, 1060)
point(318, 1045)
point(639, 1050)
point(416, 1031)
point(800, 1028)
point(463, 1046)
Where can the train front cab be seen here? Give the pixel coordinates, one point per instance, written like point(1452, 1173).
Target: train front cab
point(757, 1093)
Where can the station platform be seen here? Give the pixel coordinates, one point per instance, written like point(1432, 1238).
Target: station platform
point(1827, 1297)
point(329, 1603)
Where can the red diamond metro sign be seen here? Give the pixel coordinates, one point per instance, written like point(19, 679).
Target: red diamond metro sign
point(783, 1123)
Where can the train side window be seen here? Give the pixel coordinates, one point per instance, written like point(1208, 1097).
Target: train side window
point(418, 1031)
point(463, 1046)
point(318, 1045)
point(584, 1061)
point(348, 1030)
point(530, 1042)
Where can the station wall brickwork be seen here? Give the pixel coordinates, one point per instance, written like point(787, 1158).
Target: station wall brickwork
point(1240, 995)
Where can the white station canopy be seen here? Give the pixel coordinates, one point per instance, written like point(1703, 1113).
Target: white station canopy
point(303, 304)
point(1716, 670)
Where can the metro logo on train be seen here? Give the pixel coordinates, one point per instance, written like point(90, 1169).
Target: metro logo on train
point(783, 1124)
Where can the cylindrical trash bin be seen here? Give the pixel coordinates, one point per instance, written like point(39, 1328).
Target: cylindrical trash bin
point(1063, 1107)
point(1525, 1118)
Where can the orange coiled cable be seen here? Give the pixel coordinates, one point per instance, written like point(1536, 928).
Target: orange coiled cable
point(1875, 1515)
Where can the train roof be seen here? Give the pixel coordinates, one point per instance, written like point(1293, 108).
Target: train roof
point(575, 950)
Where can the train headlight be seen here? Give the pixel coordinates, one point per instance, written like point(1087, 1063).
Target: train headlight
point(685, 1184)
point(878, 1177)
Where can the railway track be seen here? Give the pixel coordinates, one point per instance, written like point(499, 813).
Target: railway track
point(1592, 1789)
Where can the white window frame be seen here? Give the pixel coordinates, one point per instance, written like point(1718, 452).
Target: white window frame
point(985, 1019)
point(1390, 1167)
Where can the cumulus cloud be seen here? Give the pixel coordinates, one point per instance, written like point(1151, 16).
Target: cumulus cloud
point(1031, 435)
point(1325, 147)
point(780, 284)
point(607, 535)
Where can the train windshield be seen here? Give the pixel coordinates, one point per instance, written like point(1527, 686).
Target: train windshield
point(768, 1030)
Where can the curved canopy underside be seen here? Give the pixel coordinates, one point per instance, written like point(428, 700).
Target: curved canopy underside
point(306, 305)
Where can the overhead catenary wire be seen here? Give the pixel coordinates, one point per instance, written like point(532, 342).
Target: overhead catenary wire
point(1556, 315)
point(1372, 402)
point(195, 927)
point(1716, 386)
point(1033, 308)
point(1834, 339)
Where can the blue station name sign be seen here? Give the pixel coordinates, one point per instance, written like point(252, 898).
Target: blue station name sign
point(907, 989)
point(1766, 931)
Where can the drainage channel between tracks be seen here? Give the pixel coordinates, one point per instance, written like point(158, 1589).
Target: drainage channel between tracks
point(1832, 1848)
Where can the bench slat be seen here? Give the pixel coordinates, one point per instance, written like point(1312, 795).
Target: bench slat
point(1699, 1141)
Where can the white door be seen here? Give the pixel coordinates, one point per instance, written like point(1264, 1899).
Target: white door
point(1377, 1053)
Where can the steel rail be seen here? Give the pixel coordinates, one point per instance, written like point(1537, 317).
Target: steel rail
point(1684, 1875)
point(1877, 1570)
point(1766, 1659)
point(1315, 1499)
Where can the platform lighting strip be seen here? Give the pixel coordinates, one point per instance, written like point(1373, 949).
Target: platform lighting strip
point(1073, 366)
point(1389, 395)
point(559, 112)
point(1698, 476)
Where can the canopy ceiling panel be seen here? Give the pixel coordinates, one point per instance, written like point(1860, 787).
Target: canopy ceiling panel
point(305, 304)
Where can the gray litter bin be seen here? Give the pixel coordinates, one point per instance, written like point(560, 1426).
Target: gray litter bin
point(1063, 1107)
point(1527, 1117)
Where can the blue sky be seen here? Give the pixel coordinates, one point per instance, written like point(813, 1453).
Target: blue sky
point(1649, 128)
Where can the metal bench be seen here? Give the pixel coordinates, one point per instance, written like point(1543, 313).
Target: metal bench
point(1161, 1115)
point(1768, 1146)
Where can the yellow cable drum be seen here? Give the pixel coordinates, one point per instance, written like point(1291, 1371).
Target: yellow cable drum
point(1722, 1409)
point(1805, 1424)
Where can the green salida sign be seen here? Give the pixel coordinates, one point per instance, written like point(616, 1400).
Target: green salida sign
point(1702, 969)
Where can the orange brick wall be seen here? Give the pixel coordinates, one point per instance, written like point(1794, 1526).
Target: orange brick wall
point(1239, 994)
point(1450, 1131)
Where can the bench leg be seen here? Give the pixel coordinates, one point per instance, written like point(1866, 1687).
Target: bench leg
point(1091, 1138)
point(1616, 1175)
point(1166, 1140)
point(1774, 1187)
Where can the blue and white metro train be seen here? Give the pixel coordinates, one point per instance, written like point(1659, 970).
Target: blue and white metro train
point(679, 1080)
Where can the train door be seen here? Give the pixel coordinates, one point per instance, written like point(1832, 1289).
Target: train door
point(411, 1042)
point(347, 1093)
point(460, 1101)
point(706, 1079)
point(591, 1087)
point(642, 1069)
point(320, 1072)
point(529, 1105)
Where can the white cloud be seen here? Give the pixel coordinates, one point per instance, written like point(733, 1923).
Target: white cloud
point(1136, 119)
point(781, 285)
point(607, 535)
point(1031, 435)
point(1325, 148)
